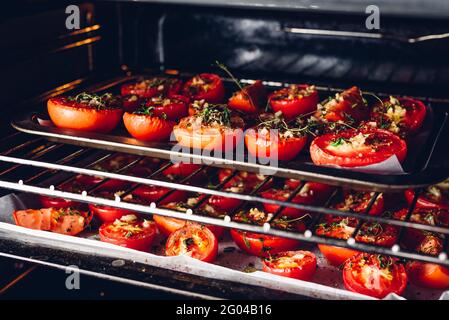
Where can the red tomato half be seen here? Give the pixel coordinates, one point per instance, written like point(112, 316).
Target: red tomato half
point(129, 233)
point(147, 127)
point(181, 170)
point(66, 221)
point(246, 181)
point(263, 146)
point(205, 86)
point(262, 245)
point(131, 102)
point(250, 99)
point(379, 234)
point(193, 240)
point(292, 264)
point(282, 195)
point(399, 115)
point(154, 193)
point(353, 148)
point(57, 203)
point(148, 88)
point(374, 275)
point(294, 100)
point(432, 199)
point(108, 214)
point(70, 114)
point(174, 107)
point(347, 106)
point(428, 275)
point(320, 192)
point(358, 201)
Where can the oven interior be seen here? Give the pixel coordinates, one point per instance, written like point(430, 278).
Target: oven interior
point(117, 39)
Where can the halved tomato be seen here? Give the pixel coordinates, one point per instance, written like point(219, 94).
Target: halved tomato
point(250, 99)
point(147, 127)
point(298, 99)
point(262, 245)
point(353, 148)
point(131, 102)
point(86, 112)
point(108, 214)
point(148, 88)
point(358, 201)
point(180, 170)
point(205, 86)
point(380, 234)
point(399, 115)
point(57, 203)
point(433, 198)
point(263, 144)
point(320, 192)
point(194, 240)
point(283, 195)
point(374, 275)
point(292, 264)
point(428, 275)
point(212, 129)
point(64, 220)
point(243, 181)
point(348, 106)
point(129, 232)
point(171, 108)
point(154, 193)
point(340, 228)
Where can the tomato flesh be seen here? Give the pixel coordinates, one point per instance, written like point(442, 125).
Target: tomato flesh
point(294, 101)
point(205, 86)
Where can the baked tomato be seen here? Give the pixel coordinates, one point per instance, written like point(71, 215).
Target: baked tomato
point(181, 170)
point(194, 240)
point(296, 100)
point(358, 201)
point(205, 86)
point(303, 197)
point(131, 102)
point(262, 245)
point(320, 192)
point(348, 106)
point(273, 138)
point(374, 275)
point(354, 148)
point(168, 225)
point(108, 214)
point(129, 232)
point(292, 264)
point(86, 112)
point(153, 193)
point(428, 275)
point(339, 228)
point(147, 88)
point(58, 203)
point(146, 126)
point(249, 100)
point(64, 220)
point(434, 197)
point(399, 115)
point(212, 129)
point(243, 181)
point(380, 234)
point(171, 108)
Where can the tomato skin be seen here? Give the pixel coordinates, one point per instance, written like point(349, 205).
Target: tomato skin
point(424, 202)
point(279, 148)
point(175, 108)
point(206, 255)
point(145, 89)
point(108, 214)
point(57, 203)
point(428, 275)
point(351, 104)
point(336, 255)
point(154, 193)
point(147, 128)
point(291, 108)
point(282, 195)
point(215, 92)
point(142, 243)
point(72, 115)
point(131, 102)
point(304, 271)
point(322, 156)
point(224, 204)
point(377, 287)
point(250, 99)
point(262, 245)
point(320, 192)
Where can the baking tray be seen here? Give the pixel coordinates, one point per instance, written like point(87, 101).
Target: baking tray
point(424, 164)
point(229, 267)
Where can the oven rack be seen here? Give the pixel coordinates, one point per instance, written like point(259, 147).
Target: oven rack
point(44, 162)
point(422, 166)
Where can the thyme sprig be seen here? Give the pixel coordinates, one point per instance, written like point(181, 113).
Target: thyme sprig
point(106, 100)
point(216, 113)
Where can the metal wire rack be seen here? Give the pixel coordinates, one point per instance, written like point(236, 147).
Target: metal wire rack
point(37, 162)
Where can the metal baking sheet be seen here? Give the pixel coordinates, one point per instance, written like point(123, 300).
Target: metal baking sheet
point(417, 172)
point(229, 266)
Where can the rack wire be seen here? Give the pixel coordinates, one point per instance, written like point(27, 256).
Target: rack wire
point(35, 161)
